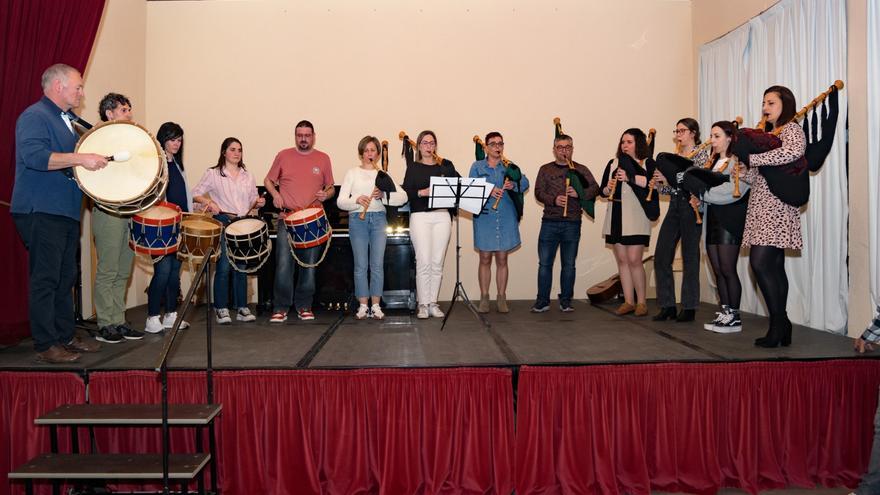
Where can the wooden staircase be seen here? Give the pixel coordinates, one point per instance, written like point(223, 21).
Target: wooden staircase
point(180, 468)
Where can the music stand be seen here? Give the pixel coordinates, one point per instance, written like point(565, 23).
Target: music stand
point(469, 194)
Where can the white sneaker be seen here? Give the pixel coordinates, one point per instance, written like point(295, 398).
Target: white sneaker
point(169, 320)
point(362, 312)
point(423, 312)
point(154, 325)
point(223, 316)
point(377, 313)
point(244, 314)
point(434, 309)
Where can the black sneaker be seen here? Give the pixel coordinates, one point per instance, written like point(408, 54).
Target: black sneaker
point(540, 307)
point(566, 307)
point(109, 335)
point(128, 332)
point(730, 323)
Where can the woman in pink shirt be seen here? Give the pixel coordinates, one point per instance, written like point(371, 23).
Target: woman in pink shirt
point(228, 191)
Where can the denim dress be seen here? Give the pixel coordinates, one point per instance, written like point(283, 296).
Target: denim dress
point(497, 230)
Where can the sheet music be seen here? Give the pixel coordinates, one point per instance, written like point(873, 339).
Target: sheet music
point(475, 191)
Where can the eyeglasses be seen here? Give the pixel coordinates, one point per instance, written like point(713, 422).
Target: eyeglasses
point(564, 148)
point(429, 143)
point(680, 131)
point(496, 143)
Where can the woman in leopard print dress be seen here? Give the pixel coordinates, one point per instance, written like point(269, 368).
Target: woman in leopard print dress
point(773, 226)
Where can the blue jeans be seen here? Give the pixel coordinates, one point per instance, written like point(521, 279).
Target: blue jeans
point(565, 236)
point(165, 284)
point(283, 293)
point(367, 238)
point(221, 278)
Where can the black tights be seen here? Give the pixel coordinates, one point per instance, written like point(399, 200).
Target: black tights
point(768, 266)
point(723, 258)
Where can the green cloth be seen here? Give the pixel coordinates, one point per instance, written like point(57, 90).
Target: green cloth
point(577, 182)
point(479, 152)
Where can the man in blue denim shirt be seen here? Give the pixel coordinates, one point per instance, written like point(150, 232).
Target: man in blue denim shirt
point(46, 204)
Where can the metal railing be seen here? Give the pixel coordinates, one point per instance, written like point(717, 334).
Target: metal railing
point(162, 368)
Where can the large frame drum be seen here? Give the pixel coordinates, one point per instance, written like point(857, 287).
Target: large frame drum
point(129, 187)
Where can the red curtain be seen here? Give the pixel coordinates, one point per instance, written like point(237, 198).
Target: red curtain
point(34, 34)
point(25, 396)
point(365, 431)
point(694, 427)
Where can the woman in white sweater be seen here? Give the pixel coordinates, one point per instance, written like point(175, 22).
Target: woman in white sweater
point(359, 194)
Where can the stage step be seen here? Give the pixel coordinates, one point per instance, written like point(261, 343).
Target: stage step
point(130, 414)
point(110, 466)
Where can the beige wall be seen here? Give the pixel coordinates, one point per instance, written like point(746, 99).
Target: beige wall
point(861, 309)
point(117, 64)
point(252, 69)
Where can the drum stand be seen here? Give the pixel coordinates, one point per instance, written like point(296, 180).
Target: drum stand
point(458, 291)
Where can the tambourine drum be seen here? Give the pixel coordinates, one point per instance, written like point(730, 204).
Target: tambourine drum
point(156, 231)
point(307, 228)
point(247, 244)
point(198, 233)
point(129, 187)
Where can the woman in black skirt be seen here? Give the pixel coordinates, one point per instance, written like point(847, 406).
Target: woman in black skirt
point(725, 220)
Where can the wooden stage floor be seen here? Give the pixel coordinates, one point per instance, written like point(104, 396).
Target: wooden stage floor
point(589, 335)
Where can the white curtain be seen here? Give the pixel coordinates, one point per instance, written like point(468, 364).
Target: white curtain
point(874, 149)
point(800, 44)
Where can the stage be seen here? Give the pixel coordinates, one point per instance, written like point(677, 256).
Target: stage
point(336, 340)
point(581, 402)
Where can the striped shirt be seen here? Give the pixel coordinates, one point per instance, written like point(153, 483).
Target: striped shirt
point(232, 195)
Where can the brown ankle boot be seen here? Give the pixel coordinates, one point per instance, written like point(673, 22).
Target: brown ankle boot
point(484, 304)
point(502, 304)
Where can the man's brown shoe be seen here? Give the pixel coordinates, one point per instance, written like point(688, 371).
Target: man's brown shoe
point(77, 344)
point(57, 355)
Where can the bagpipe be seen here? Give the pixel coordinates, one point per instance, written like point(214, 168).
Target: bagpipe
point(650, 204)
point(384, 182)
point(512, 174)
point(694, 179)
point(791, 182)
point(575, 179)
point(612, 182)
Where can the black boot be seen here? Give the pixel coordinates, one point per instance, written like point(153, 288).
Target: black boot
point(686, 315)
point(786, 332)
point(775, 335)
point(667, 313)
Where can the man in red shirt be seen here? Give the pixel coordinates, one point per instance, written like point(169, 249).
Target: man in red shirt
point(300, 177)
